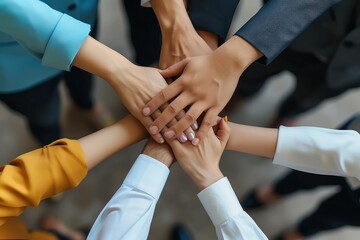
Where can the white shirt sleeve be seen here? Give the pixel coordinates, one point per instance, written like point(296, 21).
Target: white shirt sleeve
point(230, 220)
point(129, 212)
point(319, 150)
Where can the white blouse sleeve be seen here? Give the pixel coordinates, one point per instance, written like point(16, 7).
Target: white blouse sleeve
point(129, 212)
point(319, 150)
point(230, 220)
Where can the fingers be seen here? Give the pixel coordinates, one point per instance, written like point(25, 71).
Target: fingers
point(208, 121)
point(189, 131)
point(187, 120)
point(162, 97)
point(170, 112)
point(175, 70)
point(223, 132)
point(147, 121)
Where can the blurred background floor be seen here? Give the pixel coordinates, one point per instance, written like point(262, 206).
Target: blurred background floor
point(179, 202)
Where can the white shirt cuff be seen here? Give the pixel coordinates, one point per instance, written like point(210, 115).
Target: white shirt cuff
point(220, 201)
point(148, 175)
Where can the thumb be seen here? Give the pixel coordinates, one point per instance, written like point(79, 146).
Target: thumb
point(175, 70)
point(223, 132)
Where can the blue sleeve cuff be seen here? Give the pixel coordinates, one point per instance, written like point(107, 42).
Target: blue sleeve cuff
point(65, 42)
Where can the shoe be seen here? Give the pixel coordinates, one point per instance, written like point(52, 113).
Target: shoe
point(251, 202)
point(180, 232)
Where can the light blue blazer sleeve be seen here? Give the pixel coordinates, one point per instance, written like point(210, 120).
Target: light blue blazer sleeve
point(50, 35)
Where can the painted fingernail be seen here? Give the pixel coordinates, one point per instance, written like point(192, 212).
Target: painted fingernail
point(153, 129)
point(146, 111)
point(195, 142)
point(194, 126)
point(191, 136)
point(226, 118)
point(183, 138)
point(169, 134)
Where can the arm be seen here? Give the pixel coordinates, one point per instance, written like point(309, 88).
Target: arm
point(308, 149)
point(179, 38)
point(129, 212)
point(277, 30)
point(207, 82)
point(47, 37)
point(62, 165)
point(201, 164)
point(213, 16)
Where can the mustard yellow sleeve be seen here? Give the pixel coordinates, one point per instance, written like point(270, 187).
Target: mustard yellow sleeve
point(39, 174)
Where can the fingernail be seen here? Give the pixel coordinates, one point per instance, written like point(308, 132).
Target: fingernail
point(195, 142)
point(153, 129)
point(226, 119)
point(194, 126)
point(161, 140)
point(146, 111)
point(169, 134)
point(183, 138)
point(191, 136)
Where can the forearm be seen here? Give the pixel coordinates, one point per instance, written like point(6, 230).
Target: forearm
point(272, 29)
point(171, 15)
point(253, 140)
point(100, 60)
point(48, 34)
point(129, 212)
point(101, 144)
point(237, 54)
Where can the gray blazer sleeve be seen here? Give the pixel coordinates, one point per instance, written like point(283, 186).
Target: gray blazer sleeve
point(213, 16)
point(279, 22)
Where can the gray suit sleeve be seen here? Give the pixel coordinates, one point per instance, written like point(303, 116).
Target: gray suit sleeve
point(279, 22)
point(213, 16)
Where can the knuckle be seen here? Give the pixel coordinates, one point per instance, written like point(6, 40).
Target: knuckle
point(190, 117)
point(163, 95)
point(206, 123)
point(172, 109)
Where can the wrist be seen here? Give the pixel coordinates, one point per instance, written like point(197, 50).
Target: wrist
point(211, 39)
point(171, 15)
point(209, 178)
point(238, 54)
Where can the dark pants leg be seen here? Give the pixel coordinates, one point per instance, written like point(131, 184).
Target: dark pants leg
point(80, 83)
point(41, 107)
point(296, 181)
point(337, 211)
point(145, 32)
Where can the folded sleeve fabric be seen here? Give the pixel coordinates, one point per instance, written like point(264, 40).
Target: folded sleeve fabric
point(213, 16)
point(39, 174)
point(129, 212)
point(50, 35)
point(230, 220)
point(319, 150)
point(279, 22)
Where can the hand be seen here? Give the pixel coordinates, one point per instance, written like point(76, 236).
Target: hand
point(160, 152)
point(206, 85)
point(201, 163)
point(137, 85)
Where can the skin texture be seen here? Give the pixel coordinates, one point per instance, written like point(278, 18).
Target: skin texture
point(205, 86)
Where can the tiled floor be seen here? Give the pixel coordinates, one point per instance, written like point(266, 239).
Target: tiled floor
point(179, 203)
